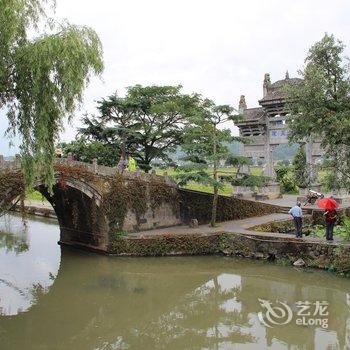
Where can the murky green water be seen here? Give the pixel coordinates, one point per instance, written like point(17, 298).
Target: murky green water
point(53, 298)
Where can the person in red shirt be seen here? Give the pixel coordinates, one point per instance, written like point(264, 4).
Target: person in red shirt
point(330, 218)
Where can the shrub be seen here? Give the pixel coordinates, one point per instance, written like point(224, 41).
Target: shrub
point(344, 230)
point(286, 178)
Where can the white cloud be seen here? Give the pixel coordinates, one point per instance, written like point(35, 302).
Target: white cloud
point(219, 48)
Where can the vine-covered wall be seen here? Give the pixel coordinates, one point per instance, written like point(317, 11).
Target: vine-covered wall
point(197, 205)
point(162, 245)
point(11, 186)
point(283, 250)
point(133, 204)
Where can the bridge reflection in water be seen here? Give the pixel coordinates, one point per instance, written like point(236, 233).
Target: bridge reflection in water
point(99, 302)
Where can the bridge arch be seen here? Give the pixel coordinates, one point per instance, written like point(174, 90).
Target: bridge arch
point(78, 207)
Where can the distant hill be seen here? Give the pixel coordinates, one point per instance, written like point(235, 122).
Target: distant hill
point(236, 148)
point(281, 152)
point(285, 151)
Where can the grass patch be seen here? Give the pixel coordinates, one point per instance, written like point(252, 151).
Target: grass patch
point(226, 190)
point(221, 171)
point(35, 196)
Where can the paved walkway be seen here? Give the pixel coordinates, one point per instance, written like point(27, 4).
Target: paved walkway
point(37, 203)
point(236, 226)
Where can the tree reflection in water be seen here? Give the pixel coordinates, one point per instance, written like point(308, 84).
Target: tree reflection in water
point(13, 238)
point(13, 243)
point(77, 300)
point(29, 261)
point(205, 318)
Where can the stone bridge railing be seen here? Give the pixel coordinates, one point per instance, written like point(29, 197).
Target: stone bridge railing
point(93, 167)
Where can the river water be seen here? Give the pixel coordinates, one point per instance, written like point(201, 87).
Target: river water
point(54, 297)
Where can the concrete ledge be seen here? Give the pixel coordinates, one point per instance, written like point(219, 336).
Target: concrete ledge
point(37, 210)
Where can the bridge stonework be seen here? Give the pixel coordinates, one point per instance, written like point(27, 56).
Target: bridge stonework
point(96, 206)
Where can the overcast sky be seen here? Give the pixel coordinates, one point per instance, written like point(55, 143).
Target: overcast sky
point(220, 48)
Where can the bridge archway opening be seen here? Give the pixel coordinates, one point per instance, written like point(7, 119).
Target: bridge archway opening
point(78, 209)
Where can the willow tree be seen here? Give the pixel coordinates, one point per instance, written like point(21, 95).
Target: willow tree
point(42, 78)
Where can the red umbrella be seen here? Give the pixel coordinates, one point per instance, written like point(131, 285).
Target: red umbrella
point(327, 204)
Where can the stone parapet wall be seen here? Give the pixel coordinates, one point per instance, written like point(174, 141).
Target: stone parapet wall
point(93, 167)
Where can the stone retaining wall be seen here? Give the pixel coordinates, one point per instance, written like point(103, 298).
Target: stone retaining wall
point(277, 247)
point(198, 205)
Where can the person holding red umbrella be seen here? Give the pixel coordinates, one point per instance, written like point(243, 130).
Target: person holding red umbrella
point(330, 214)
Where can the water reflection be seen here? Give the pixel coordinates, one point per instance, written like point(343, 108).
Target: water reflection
point(29, 261)
point(97, 302)
point(13, 237)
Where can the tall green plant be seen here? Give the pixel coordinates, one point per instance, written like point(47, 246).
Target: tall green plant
point(86, 151)
point(205, 144)
point(300, 168)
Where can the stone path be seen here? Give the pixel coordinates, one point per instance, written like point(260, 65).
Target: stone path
point(238, 227)
point(37, 207)
point(37, 203)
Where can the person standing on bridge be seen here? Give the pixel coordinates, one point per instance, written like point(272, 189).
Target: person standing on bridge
point(122, 164)
point(297, 214)
point(132, 165)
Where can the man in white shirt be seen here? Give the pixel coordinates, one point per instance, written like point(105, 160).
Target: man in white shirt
point(297, 214)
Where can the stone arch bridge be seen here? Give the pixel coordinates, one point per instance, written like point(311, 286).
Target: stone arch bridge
point(95, 204)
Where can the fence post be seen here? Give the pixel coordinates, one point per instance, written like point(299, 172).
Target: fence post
point(17, 160)
point(95, 165)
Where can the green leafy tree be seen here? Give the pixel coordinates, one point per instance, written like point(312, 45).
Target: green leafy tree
point(320, 105)
point(285, 176)
point(147, 123)
point(300, 168)
point(116, 124)
point(42, 77)
point(238, 161)
point(85, 151)
point(205, 143)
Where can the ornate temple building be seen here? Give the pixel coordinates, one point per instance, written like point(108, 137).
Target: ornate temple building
point(267, 126)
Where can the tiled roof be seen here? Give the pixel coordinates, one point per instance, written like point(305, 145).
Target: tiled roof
point(253, 113)
point(275, 90)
